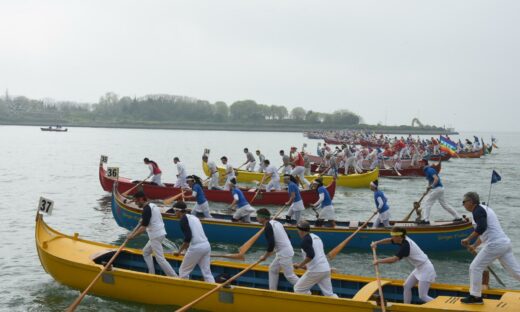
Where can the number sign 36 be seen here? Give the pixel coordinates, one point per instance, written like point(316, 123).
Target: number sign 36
point(45, 205)
point(113, 172)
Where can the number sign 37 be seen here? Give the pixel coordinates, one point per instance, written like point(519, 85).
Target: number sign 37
point(45, 205)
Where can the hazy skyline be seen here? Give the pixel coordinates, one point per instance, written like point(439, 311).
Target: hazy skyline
point(452, 63)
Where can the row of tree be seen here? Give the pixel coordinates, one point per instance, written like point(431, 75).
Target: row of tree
point(165, 108)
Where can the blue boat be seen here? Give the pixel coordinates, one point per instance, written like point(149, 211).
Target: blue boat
point(440, 236)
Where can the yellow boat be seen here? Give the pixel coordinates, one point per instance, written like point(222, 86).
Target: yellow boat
point(75, 262)
point(361, 180)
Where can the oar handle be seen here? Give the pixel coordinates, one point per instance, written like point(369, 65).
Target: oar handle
point(170, 200)
point(194, 302)
point(76, 302)
point(415, 207)
point(259, 189)
point(380, 288)
point(133, 188)
point(334, 252)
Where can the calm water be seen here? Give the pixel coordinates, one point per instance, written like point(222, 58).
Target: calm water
point(63, 167)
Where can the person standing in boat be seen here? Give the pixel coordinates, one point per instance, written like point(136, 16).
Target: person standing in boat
point(261, 159)
point(314, 262)
point(424, 272)
point(495, 245)
point(250, 160)
point(326, 211)
point(297, 161)
point(213, 174)
point(230, 172)
point(244, 209)
point(181, 173)
point(201, 203)
point(155, 172)
point(271, 172)
point(435, 191)
point(382, 208)
point(295, 199)
point(152, 223)
point(195, 242)
point(286, 163)
point(277, 242)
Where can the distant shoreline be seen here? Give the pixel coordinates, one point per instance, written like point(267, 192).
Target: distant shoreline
point(258, 127)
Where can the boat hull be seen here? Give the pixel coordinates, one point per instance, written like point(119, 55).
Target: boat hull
point(159, 192)
point(352, 180)
point(220, 229)
point(410, 172)
point(75, 262)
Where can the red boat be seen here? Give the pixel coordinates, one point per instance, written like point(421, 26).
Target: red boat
point(163, 192)
point(410, 172)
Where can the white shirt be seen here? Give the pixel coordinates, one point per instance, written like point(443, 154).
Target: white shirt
point(197, 232)
point(282, 244)
point(319, 263)
point(181, 170)
point(274, 171)
point(493, 233)
point(156, 226)
point(212, 167)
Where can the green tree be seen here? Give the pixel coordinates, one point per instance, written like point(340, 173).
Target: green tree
point(298, 113)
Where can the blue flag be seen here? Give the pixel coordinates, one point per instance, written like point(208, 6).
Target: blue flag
point(495, 177)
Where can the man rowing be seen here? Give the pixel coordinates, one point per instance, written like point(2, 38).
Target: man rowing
point(382, 208)
point(195, 242)
point(326, 211)
point(496, 245)
point(435, 191)
point(213, 183)
point(201, 203)
point(261, 159)
point(250, 160)
point(286, 163)
point(295, 199)
point(298, 163)
point(271, 172)
point(244, 210)
point(229, 171)
point(424, 272)
point(315, 263)
point(181, 173)
point(155, 171)
point(277, 242)
point(152, 223)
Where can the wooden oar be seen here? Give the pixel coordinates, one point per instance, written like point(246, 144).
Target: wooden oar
point(169, 201)
point(76, 302)
point(376, 267)
point(194, 302)
point(334, 252)
point(416, 206)
point(259, 189)
point(247, 245)
point(133, 188)
point(474, 252)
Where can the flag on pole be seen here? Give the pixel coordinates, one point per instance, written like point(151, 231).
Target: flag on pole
point(495, 177)
point(448, 145)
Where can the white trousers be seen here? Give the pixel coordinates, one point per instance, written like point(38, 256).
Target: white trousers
point(251, 166)
point(181, 181)
point(156, 178)
point(437, 194)
point(295, 211)
point(327, 213)
point(490, 252)
point(197, 255)
point(351, 162)
point(154, 245)
point(244, 213)
point(299, 171)
point(273, 185)
point(202, 208)
point(213, 182)
point(287, 169)
point(382, 218)
point(284, 264)
point(309, 279)
point(424, 286)
point(228, 179)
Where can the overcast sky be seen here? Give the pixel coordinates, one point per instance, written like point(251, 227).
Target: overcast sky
point(453, 63)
